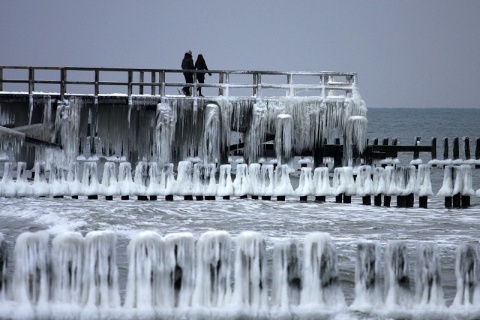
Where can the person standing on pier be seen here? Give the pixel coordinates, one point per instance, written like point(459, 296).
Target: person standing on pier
point(200, 64)
point(187, 64)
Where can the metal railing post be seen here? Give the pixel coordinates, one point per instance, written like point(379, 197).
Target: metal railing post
point(97, 79)
point(31, 80)
point(255, 84)
point(130, 80)
point(63, 82)
point(142, 76)
point(220, 81)
point(153, 85)
point(291, 92)
point(1, 79)
point(162, 83)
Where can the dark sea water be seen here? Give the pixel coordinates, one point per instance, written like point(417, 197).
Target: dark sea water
point(407, 123)
point(346, 223)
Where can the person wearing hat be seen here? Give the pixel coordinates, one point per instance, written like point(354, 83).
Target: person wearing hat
point(187, 64)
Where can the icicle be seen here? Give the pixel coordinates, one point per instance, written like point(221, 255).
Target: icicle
point(212, 285)
point(184, 184)
point(140, 179)
point(284, 138)
point(397, 275)
point(179, 264)
point(368, 293)
point(109, 184)
point(67, 268)
point(3, 268)
point(7, 185)
point(101, 273)
point(31, 277)
point(283, 186)
point(250, 271)
point(364, 183)
point(286, 277)
point(23, 187)
point(165, 132)
point(428, 280)
point(305, 184)
point(320, 273)
point(467, 271)
point(355, 135)
point(241, 183)
point(212, 134)
point(424, 184)
point(125, 180)
point(145, 271)
point(321, 182)
point(167, 180)
point(90, 182)
point(225, 184)
point(267, 180)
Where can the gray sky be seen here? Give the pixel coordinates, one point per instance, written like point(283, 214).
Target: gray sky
point(406, 53)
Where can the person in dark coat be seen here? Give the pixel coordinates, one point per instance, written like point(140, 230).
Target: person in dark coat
point(200, 64)
point(187, 64)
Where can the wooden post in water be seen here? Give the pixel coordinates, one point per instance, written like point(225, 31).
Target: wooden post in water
point(456, 148)
point(466, 146)
point(445, 148)
point(423, 202)
point(477, 153)
point(416, 154)
point(434, 148)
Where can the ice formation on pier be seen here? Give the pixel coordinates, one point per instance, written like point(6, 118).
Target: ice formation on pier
point(178, 129)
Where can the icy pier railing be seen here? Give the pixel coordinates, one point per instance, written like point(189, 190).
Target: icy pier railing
point(68, 81)
point(178, 276)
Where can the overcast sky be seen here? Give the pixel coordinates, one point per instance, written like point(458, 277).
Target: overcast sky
point(415, 53)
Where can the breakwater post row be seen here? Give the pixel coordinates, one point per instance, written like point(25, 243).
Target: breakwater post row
point(199, 181)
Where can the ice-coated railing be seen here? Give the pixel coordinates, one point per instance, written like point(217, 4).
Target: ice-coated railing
point(219, 276)
point(98, 81)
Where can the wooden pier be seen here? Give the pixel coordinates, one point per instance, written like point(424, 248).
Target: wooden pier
point(22, 87)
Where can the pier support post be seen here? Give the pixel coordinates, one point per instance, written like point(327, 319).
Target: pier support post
point(423, 202)
point(108, 198)
point(367, 200)
point(410, 200)
point(339, 198)
point(377, 200)
point(320, 199)
point(303, 198)
point(226, 197)
point(280, 198)
point(457, 201)
point(188, 197)
point(448, 202)
point(153, 198)
point(387, 201)
point(169, 197)
point(142, 198)
point(465, 201)
point(347, 198)
point(266, 198)
point(401, 201)
point(125, 197)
